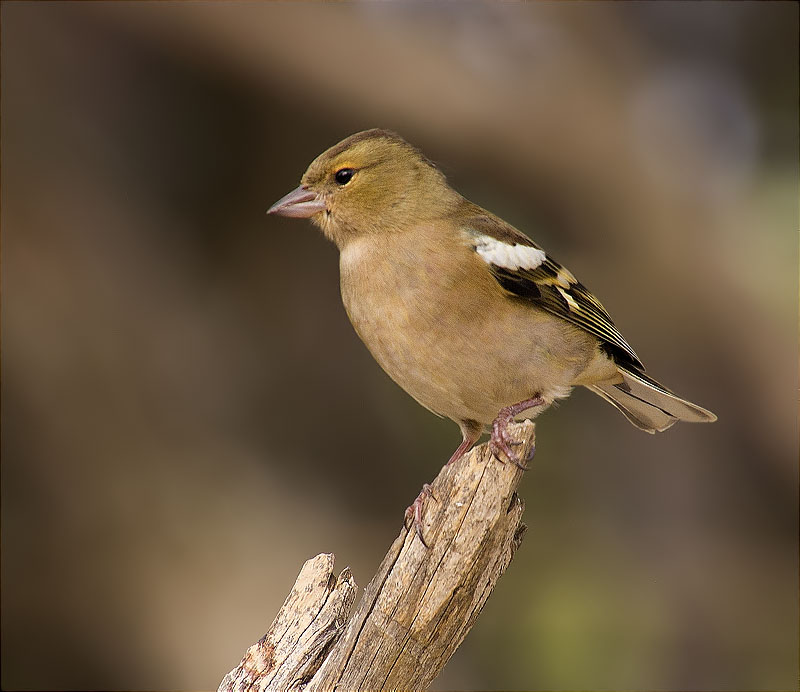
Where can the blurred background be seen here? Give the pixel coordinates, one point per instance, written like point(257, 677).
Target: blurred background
point(187, 414)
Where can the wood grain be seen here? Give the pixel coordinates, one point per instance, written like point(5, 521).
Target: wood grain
point(418, 607)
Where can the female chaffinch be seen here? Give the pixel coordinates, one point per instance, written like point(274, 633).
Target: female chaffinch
point(463, 311)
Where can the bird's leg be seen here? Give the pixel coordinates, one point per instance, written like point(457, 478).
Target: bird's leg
point(470, 432)
point(500, 440)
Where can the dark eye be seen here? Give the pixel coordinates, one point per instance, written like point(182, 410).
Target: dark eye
point(343, 175)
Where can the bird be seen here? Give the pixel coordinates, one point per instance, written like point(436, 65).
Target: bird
point(462, 310)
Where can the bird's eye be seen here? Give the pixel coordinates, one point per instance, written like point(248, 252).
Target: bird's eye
point(343, 175)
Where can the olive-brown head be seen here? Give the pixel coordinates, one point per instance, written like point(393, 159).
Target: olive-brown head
point(370, 183)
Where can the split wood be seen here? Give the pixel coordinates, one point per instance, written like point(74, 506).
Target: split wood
point(418, 607)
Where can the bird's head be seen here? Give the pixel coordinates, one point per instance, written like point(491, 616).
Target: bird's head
point(373, 182)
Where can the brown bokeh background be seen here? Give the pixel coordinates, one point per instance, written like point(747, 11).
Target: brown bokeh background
point(187, 414)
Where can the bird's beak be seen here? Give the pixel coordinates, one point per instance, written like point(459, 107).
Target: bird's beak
point(300, 204)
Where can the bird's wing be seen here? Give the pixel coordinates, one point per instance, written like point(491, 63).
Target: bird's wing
point(523, 269)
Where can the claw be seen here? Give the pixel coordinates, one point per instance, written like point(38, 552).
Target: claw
point(418, 529)
point(413, 514)
point(502, 448)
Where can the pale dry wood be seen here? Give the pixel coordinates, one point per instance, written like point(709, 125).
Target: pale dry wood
point(418, 607)
point(309, 622)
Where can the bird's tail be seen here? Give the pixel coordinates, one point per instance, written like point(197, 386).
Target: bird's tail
point(649, 405)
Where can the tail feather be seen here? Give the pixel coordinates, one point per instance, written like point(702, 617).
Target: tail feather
point(649, 405)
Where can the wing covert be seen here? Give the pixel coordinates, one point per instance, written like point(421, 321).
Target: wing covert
point(523, 269)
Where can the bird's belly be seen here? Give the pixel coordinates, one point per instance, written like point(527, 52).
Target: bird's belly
point(432, 367)
point(460, 360)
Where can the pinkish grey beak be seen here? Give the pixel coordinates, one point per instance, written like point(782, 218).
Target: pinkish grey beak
point(299, 204)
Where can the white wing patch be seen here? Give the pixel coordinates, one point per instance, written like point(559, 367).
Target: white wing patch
point(512, 257)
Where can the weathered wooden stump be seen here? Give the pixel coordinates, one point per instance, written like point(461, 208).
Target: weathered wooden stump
point(418, 607)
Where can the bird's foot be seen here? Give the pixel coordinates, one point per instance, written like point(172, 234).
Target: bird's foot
point(501, 441)
point(413, 514)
